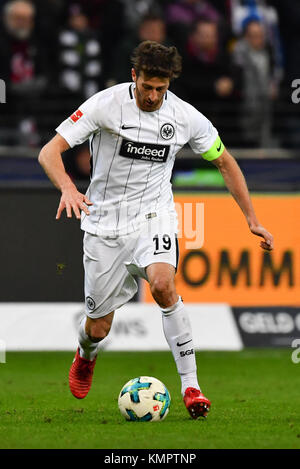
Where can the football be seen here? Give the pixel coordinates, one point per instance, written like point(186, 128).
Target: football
point(144, 399)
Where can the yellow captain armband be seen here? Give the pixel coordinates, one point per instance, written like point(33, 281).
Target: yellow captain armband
point(215, 151)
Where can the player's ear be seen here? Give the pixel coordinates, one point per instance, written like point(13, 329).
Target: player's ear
point(133, 75)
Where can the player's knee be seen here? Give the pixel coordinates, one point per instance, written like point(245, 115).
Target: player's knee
point(162, 287)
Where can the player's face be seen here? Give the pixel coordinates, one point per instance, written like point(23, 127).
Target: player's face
point(149, 91)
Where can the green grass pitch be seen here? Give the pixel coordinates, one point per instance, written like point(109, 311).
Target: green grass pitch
point(254, 393)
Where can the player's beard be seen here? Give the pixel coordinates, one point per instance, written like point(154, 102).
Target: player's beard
point(145, 104)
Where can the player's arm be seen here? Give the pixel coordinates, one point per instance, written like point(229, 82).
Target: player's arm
point(51, 160)
point(236, 184)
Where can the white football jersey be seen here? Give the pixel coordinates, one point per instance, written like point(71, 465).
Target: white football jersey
point(132, 155)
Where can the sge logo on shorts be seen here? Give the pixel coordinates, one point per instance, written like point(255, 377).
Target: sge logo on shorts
point(144, 151)
point(187, 352)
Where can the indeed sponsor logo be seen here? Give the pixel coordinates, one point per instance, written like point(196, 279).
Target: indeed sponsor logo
point(144, 151)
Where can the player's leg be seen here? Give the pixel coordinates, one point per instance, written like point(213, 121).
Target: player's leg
point(91, 332)
point(178, 333)
point(176, 324)
point(108, 285)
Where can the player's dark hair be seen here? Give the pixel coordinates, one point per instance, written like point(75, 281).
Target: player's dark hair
point(156, 60)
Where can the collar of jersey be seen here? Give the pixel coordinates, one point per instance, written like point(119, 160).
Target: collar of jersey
point(132, 88)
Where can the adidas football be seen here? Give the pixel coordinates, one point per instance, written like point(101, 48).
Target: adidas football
point(144, 399)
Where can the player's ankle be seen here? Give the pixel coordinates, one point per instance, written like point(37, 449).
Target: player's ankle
point(88, 353)
point(189, 380)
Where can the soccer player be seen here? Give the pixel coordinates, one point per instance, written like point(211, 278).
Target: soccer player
point(128, 215)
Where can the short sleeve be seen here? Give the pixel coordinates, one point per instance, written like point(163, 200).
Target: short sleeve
point(77, 128)
point(203, 133)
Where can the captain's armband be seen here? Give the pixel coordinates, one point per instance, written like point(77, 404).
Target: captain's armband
point(215, 151)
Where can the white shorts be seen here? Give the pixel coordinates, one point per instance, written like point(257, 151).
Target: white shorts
point(110, 263)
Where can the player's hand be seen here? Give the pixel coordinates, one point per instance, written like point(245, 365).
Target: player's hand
point(268, 243)
point(73, 201)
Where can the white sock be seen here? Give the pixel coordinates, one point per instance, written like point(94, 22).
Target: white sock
point(177, 329)
point(87, 348)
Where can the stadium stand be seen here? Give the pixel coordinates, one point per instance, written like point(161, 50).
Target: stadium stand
point(35, 58)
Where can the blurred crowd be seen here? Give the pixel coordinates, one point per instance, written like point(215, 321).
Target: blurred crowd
point(239, 59)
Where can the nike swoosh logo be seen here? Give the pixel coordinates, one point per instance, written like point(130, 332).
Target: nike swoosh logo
point(161, 252)
point(218, 149)
point(124, 127)
point(184, 343)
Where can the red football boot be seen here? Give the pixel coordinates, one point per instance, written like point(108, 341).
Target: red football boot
point(81, 375)
point(196, 403)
